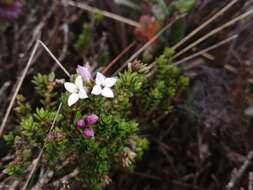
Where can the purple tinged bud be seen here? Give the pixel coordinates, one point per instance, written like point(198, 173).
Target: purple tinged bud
point(49, 136)
point(88, 133)
point(80, 124)
point(84, 72)
point(10, 9)
point(91, 119)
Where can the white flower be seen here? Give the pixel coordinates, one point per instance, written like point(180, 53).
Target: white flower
point(103, 86)
point(76, 89)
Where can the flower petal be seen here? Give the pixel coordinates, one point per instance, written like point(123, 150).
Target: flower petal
point(70, 87)
point(99, 78)
point(107, 92)
point(73, 98)
point(91, 119)
point(79, 82)
point(82, 94)
point(84, 72)
point(109, 82)
point(88, 133)
point(96, 90)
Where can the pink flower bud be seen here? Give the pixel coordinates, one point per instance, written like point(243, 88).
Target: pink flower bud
point(10, 9)
point(84, 72)
point(88, 133)
point(80, 124)
point(49, 136)
point(91, 119)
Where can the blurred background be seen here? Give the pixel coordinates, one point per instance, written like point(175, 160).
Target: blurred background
point(206, 142)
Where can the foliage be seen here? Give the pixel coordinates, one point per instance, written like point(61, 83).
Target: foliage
point(178, 30)
point(116, 143)
point(163, 87)
point(44, 85)
point(86, 42)
point(161, 9)
point(84, 39)
point(184, 6)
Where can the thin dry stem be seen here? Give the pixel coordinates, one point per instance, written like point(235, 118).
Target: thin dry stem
point(106, 69)
point(21, 80)
point(145, 46)
point(104, 13)
point(230, 68)
point(19, 84)
point(65, 178)
point(250, 181)
point(36, 161)
point(55, 59)
point(240, 171)
point(205, 55)
point(35, 165)
point(4, 88)
point(206, 50)
point(215, 31)
point(206, 23)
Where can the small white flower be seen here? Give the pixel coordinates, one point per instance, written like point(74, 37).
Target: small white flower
point(76, 89)
point(103, 86)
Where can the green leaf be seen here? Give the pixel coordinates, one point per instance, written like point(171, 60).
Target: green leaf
point(15, 169)
point(178, 30)
point(162, 10)
point(51, 77)
point(184, 6)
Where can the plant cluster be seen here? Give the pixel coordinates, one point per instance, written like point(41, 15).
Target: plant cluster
point(162, 88)
point(96, 130)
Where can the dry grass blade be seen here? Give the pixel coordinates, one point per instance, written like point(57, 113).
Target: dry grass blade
point(19, 84)
point(206, 23)
point(55, 59)
point(136, 54)
point(35, 165)
point(106, 69)
point(129, 3)
point(215, 31)
point(230, 68)
point(206, 50)
point(240, 171)
point(36, 161)
point(104, 13)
